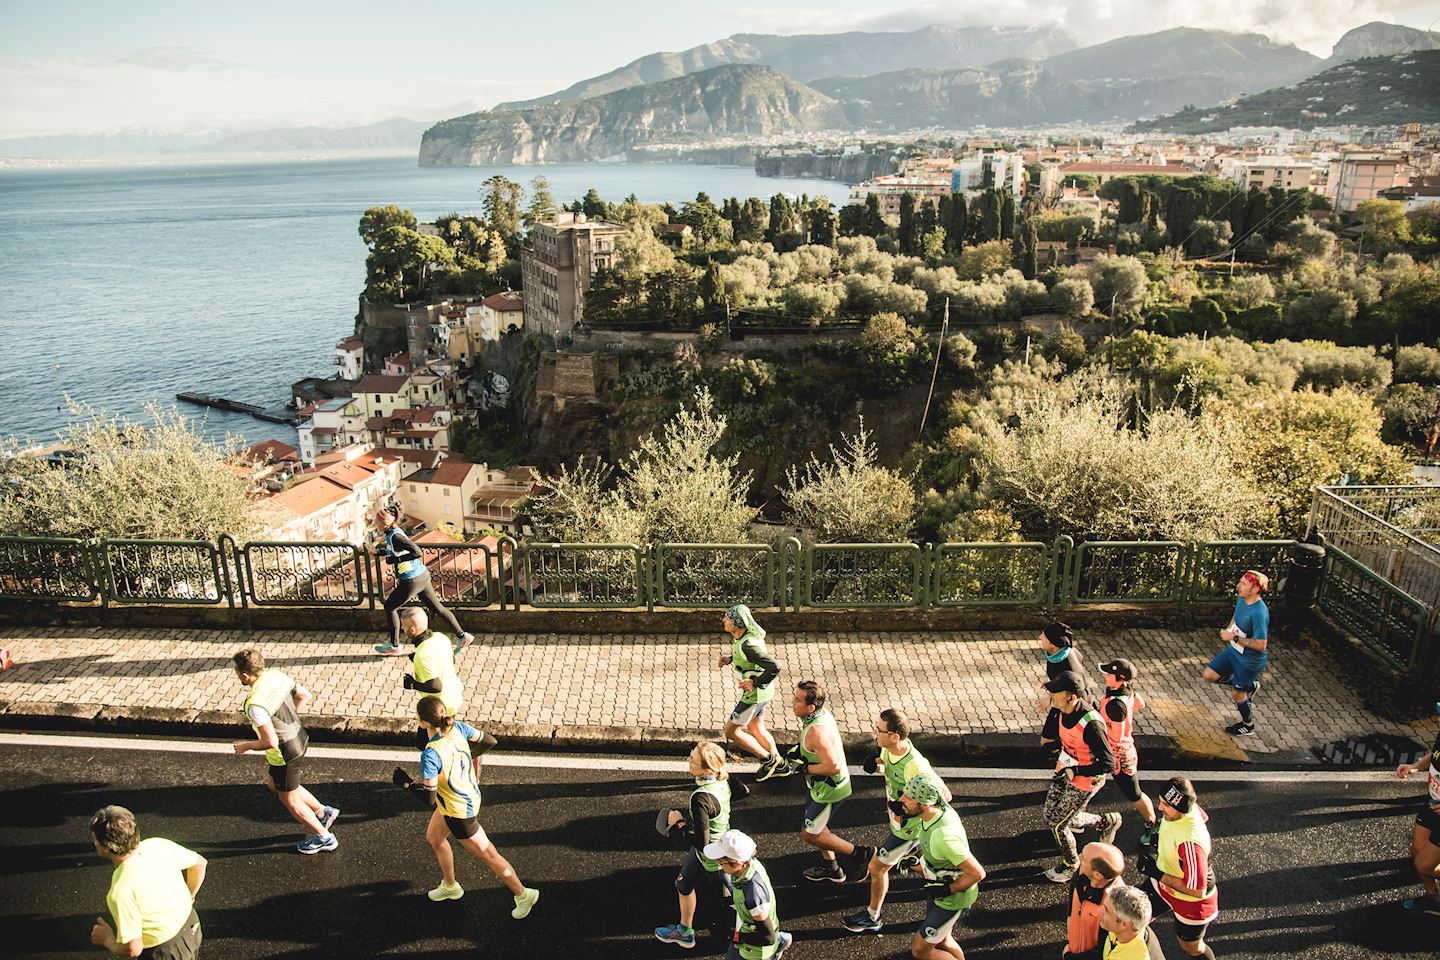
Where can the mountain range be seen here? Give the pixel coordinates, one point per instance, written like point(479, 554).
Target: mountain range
point(937, 77)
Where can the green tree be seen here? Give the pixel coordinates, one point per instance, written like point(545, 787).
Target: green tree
point(1073, 297)
point(593, 207)
point(752, 221)
point(1007, 216)
point(957, 226)
point(502, 204)
point(155, 480)
point(988, 221)
point(850, 498)
point(873, 223)
point(782, 218)
point(1384, 224)
point(909, 235)
point(377, 220)
point(821, 224)
point(401, 261)
point(542, 203)
point(1030, 255)
point(704, 220)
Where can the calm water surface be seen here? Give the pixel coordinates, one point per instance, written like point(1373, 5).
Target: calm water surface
point(123, 286)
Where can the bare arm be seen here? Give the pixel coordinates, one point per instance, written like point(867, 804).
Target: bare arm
point(828, 752)
point(302, 697)
point(266, 741)
point(971, 873)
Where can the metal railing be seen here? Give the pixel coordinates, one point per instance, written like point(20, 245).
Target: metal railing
point(1393, 624)
point(1391, 530)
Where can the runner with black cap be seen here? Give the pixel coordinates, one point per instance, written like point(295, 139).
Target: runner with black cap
point(1080, 770)
point(1178, 866)
point(951, 872)
point(1425, 834)
point(1118, 706)
point(1057, 642)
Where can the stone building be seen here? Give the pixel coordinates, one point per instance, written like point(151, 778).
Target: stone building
point(558, 262)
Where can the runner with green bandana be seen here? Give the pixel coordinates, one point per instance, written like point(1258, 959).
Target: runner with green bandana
point(757, 671)
point(951, 872)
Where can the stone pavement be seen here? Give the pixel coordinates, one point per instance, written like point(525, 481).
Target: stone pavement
point(628, 689)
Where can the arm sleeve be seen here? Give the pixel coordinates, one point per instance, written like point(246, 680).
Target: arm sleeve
point(757, 899)
point(1050, 729)
point(403, 548)
point(770, 669)
point(1099, 744)
point(429, 764)
point(1194, 865)
point(1115, 709)
point(703, 809)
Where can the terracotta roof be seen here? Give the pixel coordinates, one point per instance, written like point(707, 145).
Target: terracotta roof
point(267, 450)
point(376, 383)
point(347, 474)
point(311, 496)
point(350, 343)
point(507, 302)
point(323, 431)
point(452, 472)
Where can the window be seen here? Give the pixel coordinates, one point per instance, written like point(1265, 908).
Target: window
point(447, 491)
point(377, 398)
point(449, 509)
point(412, 488)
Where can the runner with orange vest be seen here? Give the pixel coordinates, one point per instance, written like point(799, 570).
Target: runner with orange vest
point(1118, 707)
point(1179, 867)
point(1080, 771)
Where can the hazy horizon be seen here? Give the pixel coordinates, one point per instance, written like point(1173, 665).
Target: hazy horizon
point(88, 67)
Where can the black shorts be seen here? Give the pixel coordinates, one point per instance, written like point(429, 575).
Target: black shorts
point(286, 776)
point(1191, 932)
point(1128, 784)
point(1430, 820)
point(185, 945)
point(463, 828)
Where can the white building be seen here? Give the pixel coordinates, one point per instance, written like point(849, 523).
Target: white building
point(1262, 173)
point(350, 358)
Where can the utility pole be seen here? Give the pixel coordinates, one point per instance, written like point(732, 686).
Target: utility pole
point(944, 325)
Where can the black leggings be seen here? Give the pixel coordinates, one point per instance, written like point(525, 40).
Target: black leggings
point(407, 590)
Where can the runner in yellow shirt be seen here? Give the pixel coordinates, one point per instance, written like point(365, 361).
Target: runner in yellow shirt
point(152, 891)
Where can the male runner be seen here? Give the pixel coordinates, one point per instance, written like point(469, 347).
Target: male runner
point(1425, 834)
point(152, 891)
point(757, 671)
point(273, 709)
point(1118, 706)
point(902, 762)
point(1126, 919)
point(1080, 771)
point(1246, 652)
point(1101, 870)
point(1179, 867)
point(757, 914)
point(952, 873)
point(822, 755)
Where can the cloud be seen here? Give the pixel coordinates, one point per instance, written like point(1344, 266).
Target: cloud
point(169, 59)
point(1314, 25)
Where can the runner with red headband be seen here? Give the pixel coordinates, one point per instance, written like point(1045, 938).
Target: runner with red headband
point(1245, 654)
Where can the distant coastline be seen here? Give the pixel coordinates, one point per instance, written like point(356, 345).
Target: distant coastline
point(198, 159)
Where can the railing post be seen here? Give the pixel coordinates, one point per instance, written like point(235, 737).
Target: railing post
point(1059, 573)
point(227, 585)
point(94, 553)
point(926, 560)
point(649, 573)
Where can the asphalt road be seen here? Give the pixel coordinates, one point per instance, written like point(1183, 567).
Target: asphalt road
point(1310, 868)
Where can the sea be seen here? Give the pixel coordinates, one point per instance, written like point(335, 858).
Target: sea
point(122, 286)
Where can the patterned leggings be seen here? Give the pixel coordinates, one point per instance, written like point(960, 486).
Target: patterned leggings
point(1065, 808)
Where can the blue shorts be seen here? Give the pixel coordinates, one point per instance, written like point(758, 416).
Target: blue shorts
point(1239, 670)
point(817, 816)
point(894, 849)
point(745, 712)
point(939, 922)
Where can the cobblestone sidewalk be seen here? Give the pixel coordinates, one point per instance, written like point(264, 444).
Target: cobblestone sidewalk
point(948, 683)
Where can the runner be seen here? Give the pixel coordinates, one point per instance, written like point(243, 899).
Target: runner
point(757, 914)
point(435, 673)
point(757, 670)
point(273, 709)
point(1057, 642)
point(1425, 834)
point(448, 784)
point(1128, 936)
point(821, 754)
point(1119, 706)
point(707, 818)
point(411, 580)
point(1102, 866)
point(952, 873)
point(1179, 867)
point(902, 762)
point(1247, 650)
point(1080, 771)
point(152, 891)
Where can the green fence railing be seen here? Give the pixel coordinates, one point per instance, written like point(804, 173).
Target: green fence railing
point(990, 574)
point(1394, 625)
point(47, 568)
point(714, 575)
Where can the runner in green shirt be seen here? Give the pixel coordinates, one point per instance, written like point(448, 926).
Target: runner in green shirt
point(901, 763)
point(757, 671)
point(757, 915)
point(952, 873)
point(821, 755)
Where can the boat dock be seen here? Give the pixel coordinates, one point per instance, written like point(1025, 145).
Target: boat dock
point(272, 414)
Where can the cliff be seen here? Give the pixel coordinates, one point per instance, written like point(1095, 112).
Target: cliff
point(847, 168)
point(727, 101)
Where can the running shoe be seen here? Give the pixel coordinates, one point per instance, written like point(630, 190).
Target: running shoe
point(861, 922)
point(465, 640)
point(317, 844)
point(328, 816)
point(826, 870)
point(446, 891)
point(1429, 905)
point(1060, 874)
point(781, 945)
point(524, 902)
point(676, 934)
point(1110, 825)
point(1241, 729)
point(768, 767)
point(389, 650)
point(860, 862)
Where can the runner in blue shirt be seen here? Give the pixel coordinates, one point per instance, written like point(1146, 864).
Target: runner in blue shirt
point(1246, 650)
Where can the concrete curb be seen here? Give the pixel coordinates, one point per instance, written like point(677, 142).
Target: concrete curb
point(950, 748)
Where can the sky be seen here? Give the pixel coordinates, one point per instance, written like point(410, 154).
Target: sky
point(84, 66)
